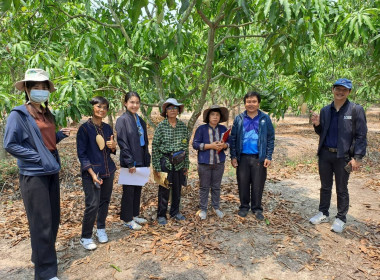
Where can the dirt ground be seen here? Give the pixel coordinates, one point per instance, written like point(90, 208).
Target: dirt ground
point(284, 246)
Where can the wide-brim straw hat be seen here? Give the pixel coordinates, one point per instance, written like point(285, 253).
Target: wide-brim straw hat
point(171, 101)
point(223, 113)
point(35, 75)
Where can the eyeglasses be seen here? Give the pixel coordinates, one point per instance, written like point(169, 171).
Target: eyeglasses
point(172, 108)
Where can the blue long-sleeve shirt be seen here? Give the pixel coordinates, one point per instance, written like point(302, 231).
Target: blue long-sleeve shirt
point(89, 154)
point(205, 134)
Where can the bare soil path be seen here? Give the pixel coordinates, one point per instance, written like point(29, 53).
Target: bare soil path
point(284, 246)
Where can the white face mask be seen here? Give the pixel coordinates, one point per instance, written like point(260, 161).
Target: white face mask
point(39, 95)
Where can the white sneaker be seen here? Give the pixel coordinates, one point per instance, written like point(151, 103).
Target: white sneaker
point(54, 278)
point(133, 225)
point(102, 235)
point(319, 218)
point(338, 225)
point(140, 220)
point(219, 213)
point(88, 243)
point(202, 214)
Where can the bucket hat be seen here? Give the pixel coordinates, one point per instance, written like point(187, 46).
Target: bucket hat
point(171, 101)
point(223, 113)
point(35, 75)
point(343, 82)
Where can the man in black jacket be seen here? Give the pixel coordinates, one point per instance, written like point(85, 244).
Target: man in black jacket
point(342, 130)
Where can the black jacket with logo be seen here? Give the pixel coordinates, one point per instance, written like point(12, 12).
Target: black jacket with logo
point(345, 135)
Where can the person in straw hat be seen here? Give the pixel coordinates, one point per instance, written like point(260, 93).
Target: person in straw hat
point(170, 154)
point(211, 157)
point(31, 137)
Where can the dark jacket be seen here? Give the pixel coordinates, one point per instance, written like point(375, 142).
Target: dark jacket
point(202, 137)
point(128, 139)
point(23, 140)
point(266, 137)
point(89, 154)
point(345, 136)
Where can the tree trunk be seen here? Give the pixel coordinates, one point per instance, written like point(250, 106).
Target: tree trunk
point(208, 76)
point(3, 153)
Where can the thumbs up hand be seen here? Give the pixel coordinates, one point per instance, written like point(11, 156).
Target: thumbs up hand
point(111, 143)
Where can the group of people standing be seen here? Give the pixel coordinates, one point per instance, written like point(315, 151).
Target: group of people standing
point(31, 137)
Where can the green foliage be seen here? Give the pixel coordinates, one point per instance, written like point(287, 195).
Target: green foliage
point(196, 51)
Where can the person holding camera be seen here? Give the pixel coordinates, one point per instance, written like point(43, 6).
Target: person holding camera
point(170, 154)
point(342, 130)
point(95, 144)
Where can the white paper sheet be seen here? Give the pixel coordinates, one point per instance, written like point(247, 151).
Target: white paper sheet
point(139, 178)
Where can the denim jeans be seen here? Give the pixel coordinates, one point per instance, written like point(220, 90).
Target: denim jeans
point(329, 165)
point(251, 177)
point(97, 201)
point(41, 200)
point(210, 177)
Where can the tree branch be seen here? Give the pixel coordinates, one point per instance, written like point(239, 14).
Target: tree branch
point(205, 19)
point(221, 74)
point(125, 92)
point(240, 36)
point(122, 29)
point(188, 12)
point(235, 25)
point(85, 16)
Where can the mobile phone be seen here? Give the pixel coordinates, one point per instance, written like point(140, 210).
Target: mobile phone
point(348, 168)
point(97, 185)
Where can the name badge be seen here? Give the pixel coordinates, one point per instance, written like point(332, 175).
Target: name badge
point(347, 117)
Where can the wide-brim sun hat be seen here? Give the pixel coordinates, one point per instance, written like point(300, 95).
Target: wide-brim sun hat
point(171, 101)
point(223, 113)
point(343, 82)
point(35, 75)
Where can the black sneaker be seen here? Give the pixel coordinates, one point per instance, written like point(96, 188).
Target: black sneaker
point(243, 213)
point(259, 216)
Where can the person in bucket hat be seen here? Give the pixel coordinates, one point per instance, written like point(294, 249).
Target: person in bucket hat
point(173, 102)
point(36, 75)
point(31, 137)
point(170, 154)
point(208, 141)
point(342, 130)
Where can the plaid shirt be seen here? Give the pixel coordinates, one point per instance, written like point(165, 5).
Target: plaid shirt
point(166, 140)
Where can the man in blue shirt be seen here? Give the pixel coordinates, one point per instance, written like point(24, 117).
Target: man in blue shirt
point(342, 128)
point(251, 147)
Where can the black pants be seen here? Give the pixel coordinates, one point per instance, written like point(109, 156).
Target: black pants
point(97, 202)
point(330, 165)
point(130, 202)
point(251, 175)
point(175, 179)
point(41, 200)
